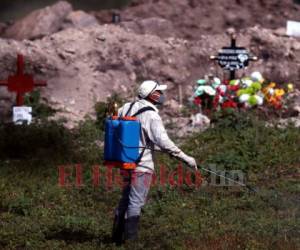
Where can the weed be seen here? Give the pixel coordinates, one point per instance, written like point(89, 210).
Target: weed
point(39, 109)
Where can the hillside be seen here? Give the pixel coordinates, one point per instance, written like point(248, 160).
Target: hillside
point(85, 65)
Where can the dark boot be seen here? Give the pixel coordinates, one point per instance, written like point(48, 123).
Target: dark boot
point(131, 227)
point(118, 230)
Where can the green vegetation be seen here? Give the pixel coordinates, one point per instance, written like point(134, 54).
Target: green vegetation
point(103, 109)
point(39, 109)
point(36, 213)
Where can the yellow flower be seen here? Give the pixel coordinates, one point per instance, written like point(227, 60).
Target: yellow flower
point(279, 92)
point(290, 87)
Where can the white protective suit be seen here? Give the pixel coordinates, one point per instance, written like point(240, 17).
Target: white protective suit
point(153, 135)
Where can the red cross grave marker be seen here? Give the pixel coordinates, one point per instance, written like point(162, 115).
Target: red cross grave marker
point(21, 83)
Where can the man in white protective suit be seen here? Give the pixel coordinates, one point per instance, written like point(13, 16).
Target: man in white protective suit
point(153, 135)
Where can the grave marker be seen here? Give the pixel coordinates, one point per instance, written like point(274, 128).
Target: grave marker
point(21, 83)
point(233, 58)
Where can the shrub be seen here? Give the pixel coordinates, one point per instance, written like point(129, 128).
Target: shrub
point(39, 109)
point(47, 139)
point(103, 109)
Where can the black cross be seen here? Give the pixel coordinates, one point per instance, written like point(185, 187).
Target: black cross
point(233, 58)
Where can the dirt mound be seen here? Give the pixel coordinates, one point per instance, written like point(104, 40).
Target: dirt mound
point(39, 23)
point(84, 65)
point(47, 21)
point(87, 65)
point(193, 18)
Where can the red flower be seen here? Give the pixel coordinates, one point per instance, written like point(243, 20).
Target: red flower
point(216, 101)
point(197, 100)
point(229, 104)
point(220, 92)
point(234, 87)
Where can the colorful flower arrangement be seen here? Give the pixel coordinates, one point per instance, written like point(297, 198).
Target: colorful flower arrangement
point(247, 92)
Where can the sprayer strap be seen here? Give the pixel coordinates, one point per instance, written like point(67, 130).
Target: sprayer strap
point(130, 107)
point(142, 110)
point(140, 156)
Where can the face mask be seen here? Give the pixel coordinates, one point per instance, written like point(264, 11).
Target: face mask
point(157, 98)
point(161, 99)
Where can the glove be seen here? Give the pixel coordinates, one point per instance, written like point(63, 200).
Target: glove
point(190, 161)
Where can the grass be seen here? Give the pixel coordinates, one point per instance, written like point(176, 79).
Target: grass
point(36, 213)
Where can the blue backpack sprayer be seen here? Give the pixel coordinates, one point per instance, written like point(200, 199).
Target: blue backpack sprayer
point(122, 136)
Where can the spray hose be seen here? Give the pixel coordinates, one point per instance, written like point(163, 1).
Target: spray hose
point(200, 167)
point(230, 179)
point(248, 187)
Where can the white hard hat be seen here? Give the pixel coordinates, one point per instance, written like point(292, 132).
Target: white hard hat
point(148, 87)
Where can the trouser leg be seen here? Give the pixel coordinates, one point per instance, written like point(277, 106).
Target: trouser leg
point(139, 188)
point(120, 211)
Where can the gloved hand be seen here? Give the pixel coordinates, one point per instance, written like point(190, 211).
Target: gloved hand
point(190, 161)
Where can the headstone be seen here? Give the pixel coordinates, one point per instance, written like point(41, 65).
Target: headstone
point(21, 83)
point(293, 28)
point(22, 114)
